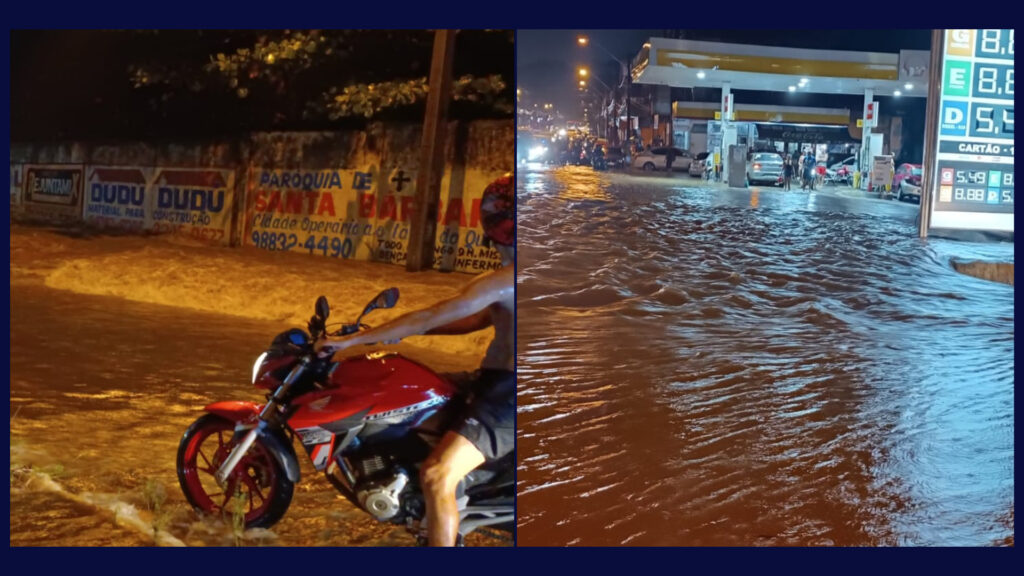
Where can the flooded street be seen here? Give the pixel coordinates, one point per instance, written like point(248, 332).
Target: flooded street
point(102, 388)
point(101, 392)
point(706, 367)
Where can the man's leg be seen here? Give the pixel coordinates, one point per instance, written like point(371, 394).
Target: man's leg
point(450, 461)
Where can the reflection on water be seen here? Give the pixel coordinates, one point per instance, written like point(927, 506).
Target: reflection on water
point(709, 367)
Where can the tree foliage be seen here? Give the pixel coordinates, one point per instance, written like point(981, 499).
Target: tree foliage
point(370, 99)
point(335, 74)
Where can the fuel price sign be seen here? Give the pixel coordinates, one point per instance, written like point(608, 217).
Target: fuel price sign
point(972, 186)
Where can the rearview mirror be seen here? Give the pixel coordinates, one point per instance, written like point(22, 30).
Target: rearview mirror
point(386, 299)
point(318, 322)
point(323, 310)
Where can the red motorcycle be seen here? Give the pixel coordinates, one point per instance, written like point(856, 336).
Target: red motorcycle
point(368, 422)
point(844, 176)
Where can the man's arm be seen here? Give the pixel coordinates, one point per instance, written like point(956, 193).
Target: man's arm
point(478, 321)
point(474, 298)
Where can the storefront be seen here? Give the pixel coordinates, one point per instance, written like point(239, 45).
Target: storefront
point(835, 141)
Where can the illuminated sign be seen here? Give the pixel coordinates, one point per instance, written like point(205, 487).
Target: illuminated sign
point(972, 186)
point(871, 114)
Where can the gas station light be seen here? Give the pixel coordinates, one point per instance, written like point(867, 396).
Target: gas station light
point(908, 86)
point(701, 74)
point(792, 88)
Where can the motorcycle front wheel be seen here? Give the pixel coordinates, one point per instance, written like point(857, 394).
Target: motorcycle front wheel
point(258, 491)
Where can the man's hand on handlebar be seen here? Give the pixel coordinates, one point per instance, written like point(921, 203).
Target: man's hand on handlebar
point(325, 347)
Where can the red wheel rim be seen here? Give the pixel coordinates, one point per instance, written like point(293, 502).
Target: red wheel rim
point(255, 477)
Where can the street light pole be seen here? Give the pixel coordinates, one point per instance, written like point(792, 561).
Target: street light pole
point(629, 116)
point(584, 41)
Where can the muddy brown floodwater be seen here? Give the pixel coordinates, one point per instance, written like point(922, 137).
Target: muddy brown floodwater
point(754, 368)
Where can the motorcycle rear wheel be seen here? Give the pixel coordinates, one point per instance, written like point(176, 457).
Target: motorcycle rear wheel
point(258, 488)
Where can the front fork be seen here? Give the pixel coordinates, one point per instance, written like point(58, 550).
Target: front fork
point(265, 417)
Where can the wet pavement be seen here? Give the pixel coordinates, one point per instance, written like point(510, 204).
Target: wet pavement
point(705, 366)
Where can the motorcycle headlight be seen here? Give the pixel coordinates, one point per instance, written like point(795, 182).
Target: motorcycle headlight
point(256, 366)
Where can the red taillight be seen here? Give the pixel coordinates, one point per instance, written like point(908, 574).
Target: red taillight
point(757, 166)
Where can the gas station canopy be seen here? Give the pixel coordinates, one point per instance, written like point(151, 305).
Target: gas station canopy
point(761, 113)
point(696, 64)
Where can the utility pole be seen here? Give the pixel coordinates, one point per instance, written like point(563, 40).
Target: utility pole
point(629, 119)
point(423, 229)
point(928, 184)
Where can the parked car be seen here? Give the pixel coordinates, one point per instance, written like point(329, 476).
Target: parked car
point(764, 167)
point(655, 159)
point(697, 165)
point(906, 182)
point(614, 157)
point(849, 163)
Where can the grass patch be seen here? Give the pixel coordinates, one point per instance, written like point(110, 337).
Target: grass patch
point(154, 495)
point(238, 517)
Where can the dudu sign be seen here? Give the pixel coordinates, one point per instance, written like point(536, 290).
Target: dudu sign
point(118, 197)
point(193, 202)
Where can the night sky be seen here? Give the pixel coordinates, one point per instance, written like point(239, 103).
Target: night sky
point(547, 59)
point(76, 83)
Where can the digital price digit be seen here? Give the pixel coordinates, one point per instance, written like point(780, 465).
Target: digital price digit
point(992, 121)
point(993, 81)
point(983, 122)
point(990, 41)
point(970, 177)
point(995, 44)
point(969, 194)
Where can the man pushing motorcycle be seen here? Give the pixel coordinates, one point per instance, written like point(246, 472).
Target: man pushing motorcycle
point(487, 430)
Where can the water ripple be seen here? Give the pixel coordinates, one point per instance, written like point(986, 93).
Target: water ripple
point(702, 367)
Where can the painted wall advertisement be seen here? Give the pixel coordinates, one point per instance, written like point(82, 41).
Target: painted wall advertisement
point(460, 233)
point(363, 215)
point(972, 186)
point(195, 203)
point(16, 182)
point(53, 191)
point(117, 197)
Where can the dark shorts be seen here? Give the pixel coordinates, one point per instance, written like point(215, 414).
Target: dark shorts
point(489, 421)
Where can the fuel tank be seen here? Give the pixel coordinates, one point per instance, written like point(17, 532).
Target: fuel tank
point(380, 387)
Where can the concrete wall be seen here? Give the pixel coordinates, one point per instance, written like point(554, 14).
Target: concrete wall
point(338, 194)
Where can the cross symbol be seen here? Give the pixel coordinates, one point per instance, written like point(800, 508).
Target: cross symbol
point(401, 178)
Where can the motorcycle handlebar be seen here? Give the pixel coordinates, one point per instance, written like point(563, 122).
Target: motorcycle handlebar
point(348, 329)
